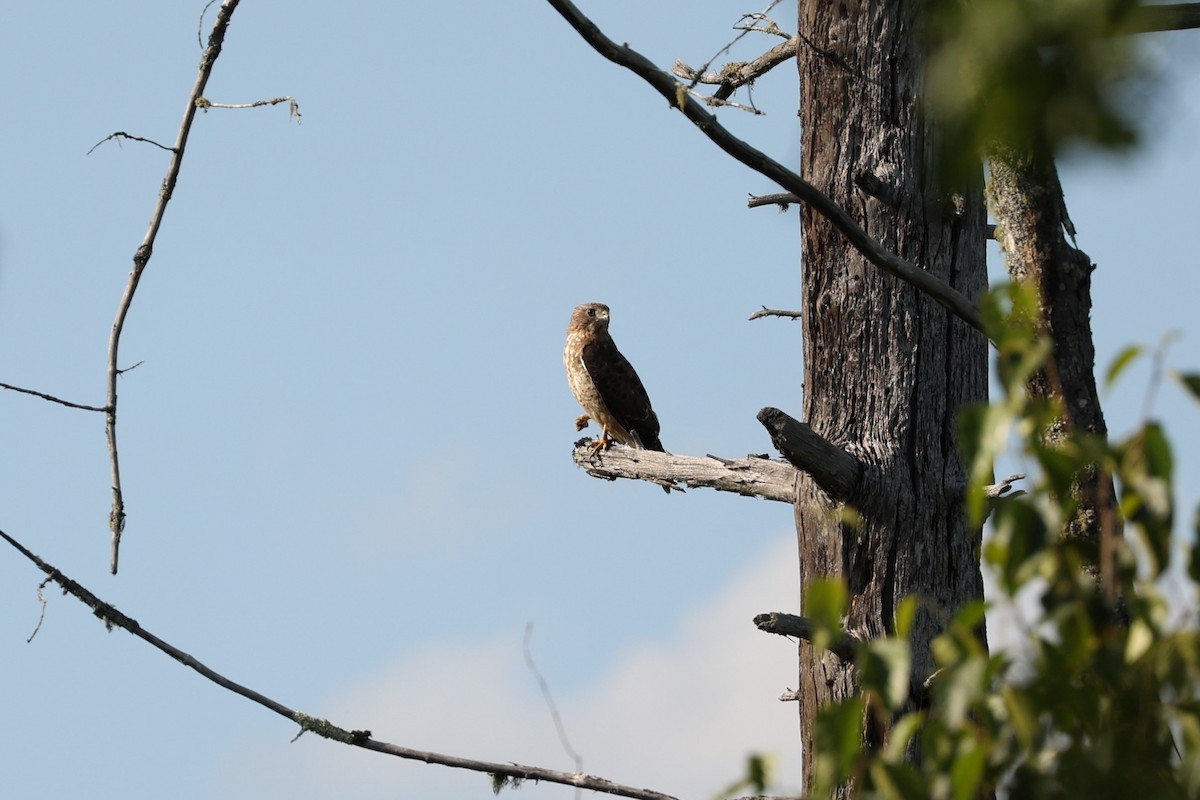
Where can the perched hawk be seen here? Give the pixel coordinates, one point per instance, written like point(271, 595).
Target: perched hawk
point(605, 384)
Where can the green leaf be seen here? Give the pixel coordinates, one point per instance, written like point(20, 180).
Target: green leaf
point(1190, 381)
point(967, 772)
point(958, 688)
point(899, 780)
point(906, 612)
point(895, 748)
point(1138, 640)
point(1194, 564)
point(1146, 498)
point(885, 665)
point(1022, 715)
point(984, 432)
point(1020, 535)
point(838, 737)
point(1118, 365)
point(825, 603)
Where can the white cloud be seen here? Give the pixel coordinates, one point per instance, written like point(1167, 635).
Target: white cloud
point(678, 715)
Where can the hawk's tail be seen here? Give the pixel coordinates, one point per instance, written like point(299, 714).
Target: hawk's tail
point(648, 444)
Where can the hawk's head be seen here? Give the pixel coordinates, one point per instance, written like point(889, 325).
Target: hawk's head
point(590, 316)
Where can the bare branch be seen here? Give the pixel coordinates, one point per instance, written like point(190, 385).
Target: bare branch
point(782, 200)
point(834, 470)
point(803, 628)
point(754, 476)
point(357, 738)
point(676, 95)
point(549, 698)
point(1145, 19)
point(773, 312)
point(51, 398)
point(738, 73)
point(204, 104)
point(717, 102)
point(994, 490)
point(116, 518)
point(119, 135)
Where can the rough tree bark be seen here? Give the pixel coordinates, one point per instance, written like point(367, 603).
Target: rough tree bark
point(1033, 228)
point(886, 370)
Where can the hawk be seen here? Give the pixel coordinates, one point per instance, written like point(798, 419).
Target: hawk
point(606, 385)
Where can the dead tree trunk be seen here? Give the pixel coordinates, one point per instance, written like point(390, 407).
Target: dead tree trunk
point(1033, 227)
point(886, 369)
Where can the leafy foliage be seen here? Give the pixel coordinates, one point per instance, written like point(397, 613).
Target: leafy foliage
point(1107, 705)
point(1031, 72)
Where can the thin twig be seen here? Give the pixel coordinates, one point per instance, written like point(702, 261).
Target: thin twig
point(676, 95)
point(358, 738)
point(200, 24)
point(774, 312)
point(51, 398)
point(116, 518)
point(42, 613)
point(717, 102)
point(119, 135)
point(724, 49)
point(549, 698)
point(735, 75)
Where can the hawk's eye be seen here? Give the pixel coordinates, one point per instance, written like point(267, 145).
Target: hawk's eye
point(591, 312)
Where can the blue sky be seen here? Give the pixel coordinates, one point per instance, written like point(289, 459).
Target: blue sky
point(347, 450)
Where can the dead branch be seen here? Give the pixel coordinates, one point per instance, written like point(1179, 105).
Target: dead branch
point(783, 200)
point(774, 312)
point(204, 104)
point(141, 257)
point(51, 398)
point(738, 73)
point(833, 469)
point(676, 95)
point(753, 476)
point(994, 490)
point(802, 628)
point(719, 102)
point(357, 738)
point(119, 135)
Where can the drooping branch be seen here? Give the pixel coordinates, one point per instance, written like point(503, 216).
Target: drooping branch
point(112, 617)
point(833, 469)
point(676, 95)
point(754, 476)
point(51, 398)
point(802, 628)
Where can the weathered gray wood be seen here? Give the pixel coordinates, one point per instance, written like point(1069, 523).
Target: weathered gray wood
point(752, 476)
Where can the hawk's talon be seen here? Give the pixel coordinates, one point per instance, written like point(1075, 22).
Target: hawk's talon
point(601, 444)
